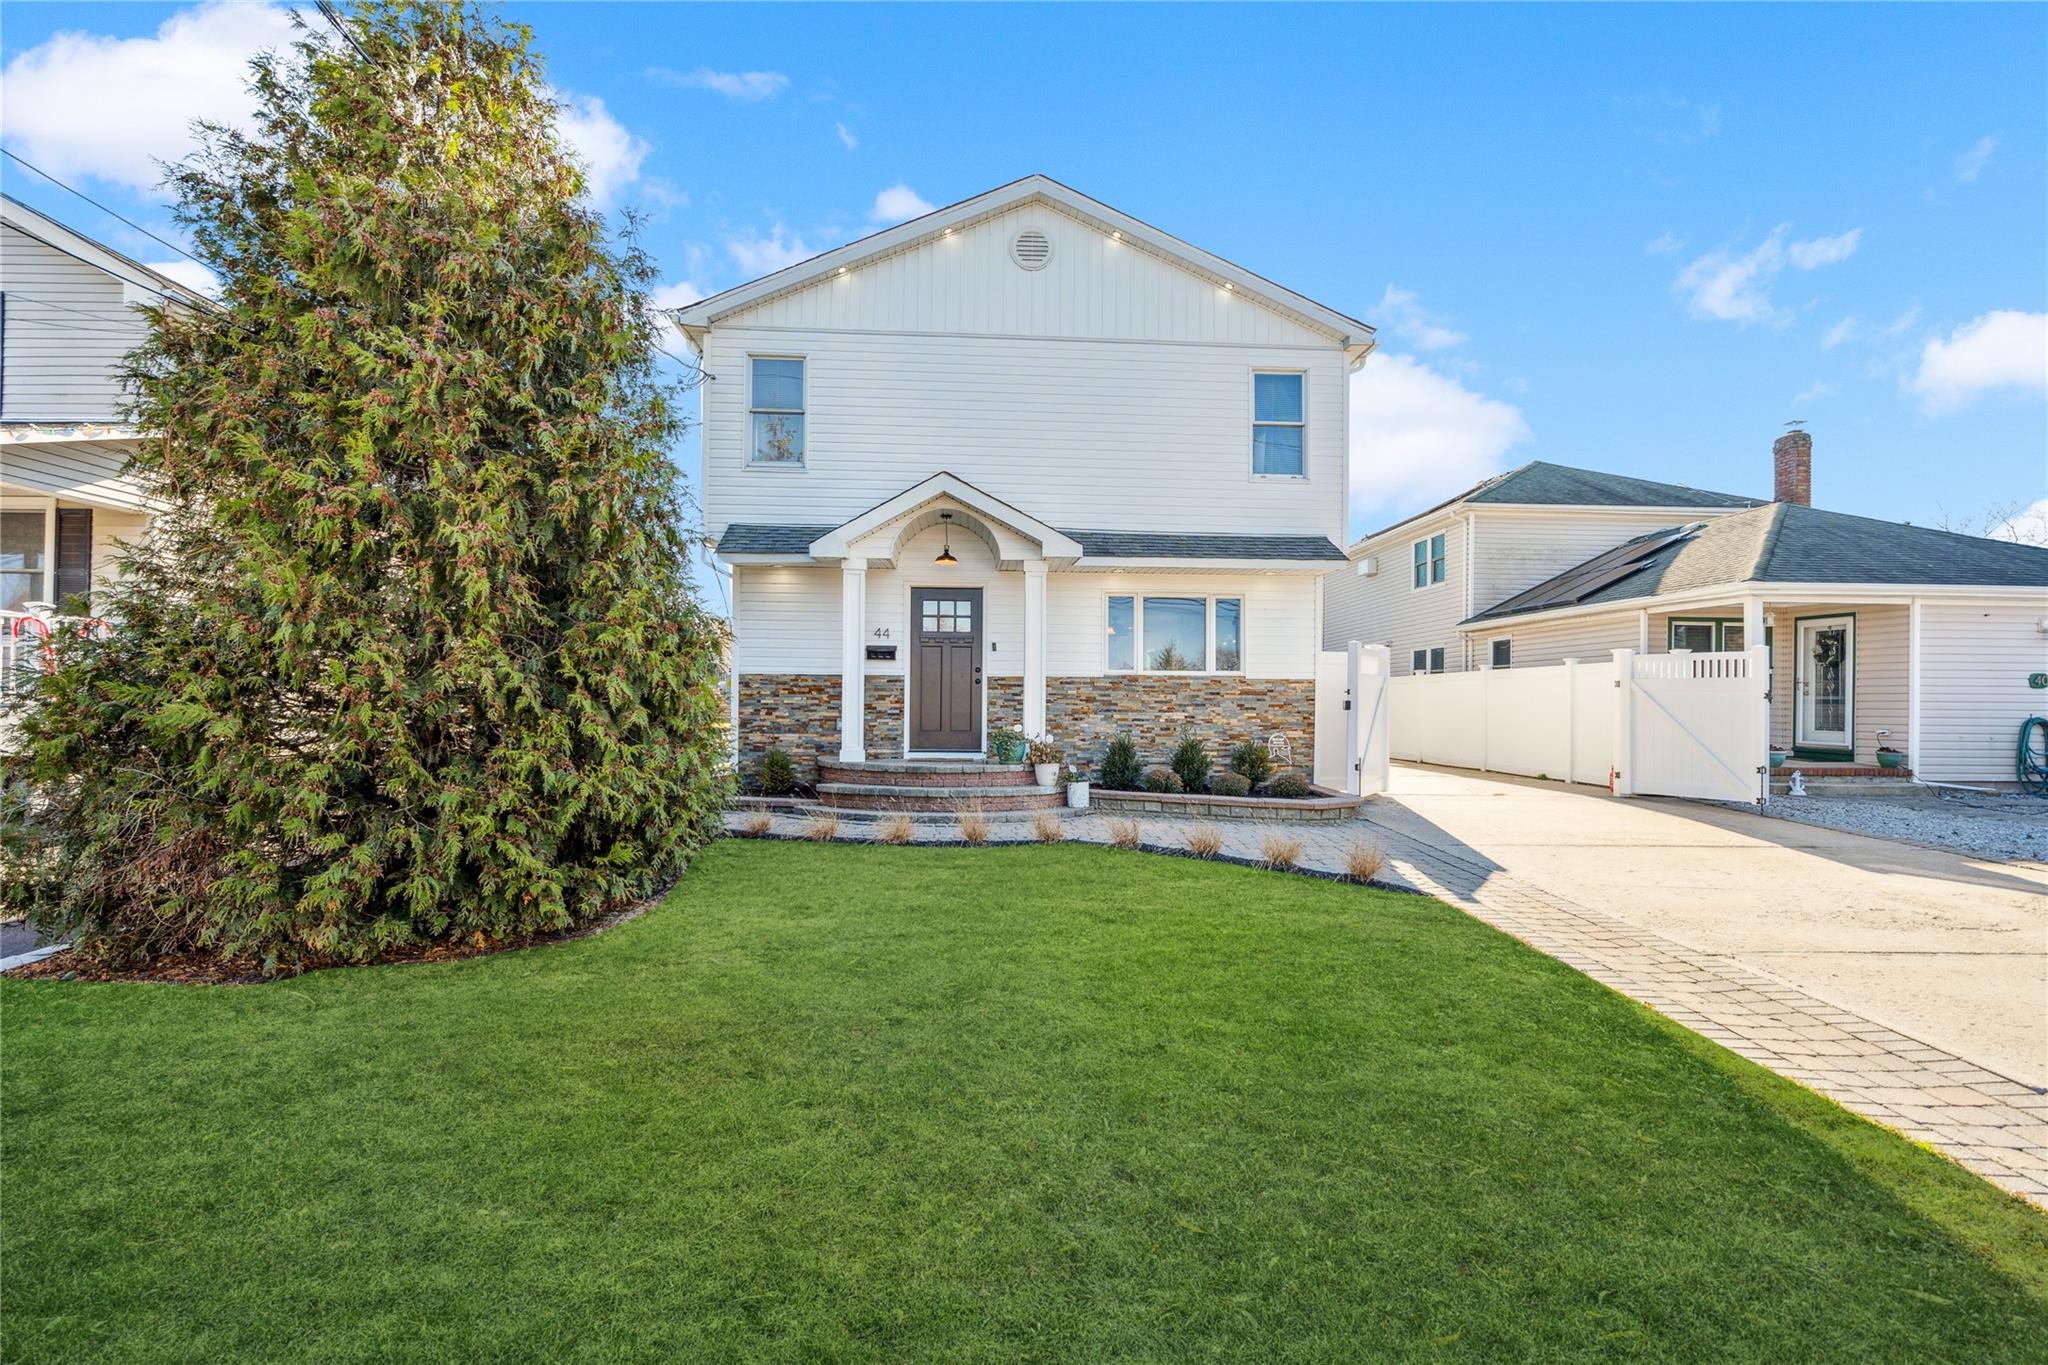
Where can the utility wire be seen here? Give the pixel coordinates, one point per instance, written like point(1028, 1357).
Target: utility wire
point(101, 207)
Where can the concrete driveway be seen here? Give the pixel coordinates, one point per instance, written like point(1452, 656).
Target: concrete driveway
point(1937, 945)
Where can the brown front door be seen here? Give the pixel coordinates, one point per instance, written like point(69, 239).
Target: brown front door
point(945, 670)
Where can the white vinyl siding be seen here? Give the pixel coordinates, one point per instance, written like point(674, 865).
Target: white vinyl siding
point(1587, 639)
point(1387, 609)
point(67, 329)
point(1974, 663)
point(90, 471)
point(1519, 549)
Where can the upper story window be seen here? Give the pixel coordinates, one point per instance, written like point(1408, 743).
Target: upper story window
point(776, 402)
point(1430, 560)
point(1427, 660)
point(1279, 424)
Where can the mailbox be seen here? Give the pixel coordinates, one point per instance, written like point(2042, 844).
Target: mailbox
point(881, 651)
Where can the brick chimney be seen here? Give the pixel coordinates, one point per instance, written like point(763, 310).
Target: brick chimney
point(1792, 468)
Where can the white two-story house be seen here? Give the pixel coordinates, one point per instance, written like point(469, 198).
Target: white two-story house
point(68, 316)
point(1029, 462)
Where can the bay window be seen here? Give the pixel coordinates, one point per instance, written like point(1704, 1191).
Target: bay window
point(1175, 633)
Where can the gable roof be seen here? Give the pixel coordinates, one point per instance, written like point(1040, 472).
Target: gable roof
point(1782, 542)
point(1348, 331)
point(41, 227)
point(1543, 484)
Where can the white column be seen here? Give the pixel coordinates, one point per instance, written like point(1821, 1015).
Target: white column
point(1752, 623)
point(853, 629)
point(1913, 686)
point(1034, 647)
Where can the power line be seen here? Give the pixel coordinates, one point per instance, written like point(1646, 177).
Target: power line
point(101, 207)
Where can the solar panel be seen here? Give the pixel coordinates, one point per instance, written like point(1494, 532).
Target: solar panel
point(1576, 585)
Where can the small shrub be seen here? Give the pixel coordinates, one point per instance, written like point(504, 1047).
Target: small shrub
point(1190, 763)
point(1120, 766)
point(1160, 780)
point(897, 829)
point(1043, 750)
point(1281, 851)
point(1288, 787)
point(757, 825)
point(1008, 746)
point(1253, 761)
point(1363, 861)
point(1205, 841)
point(1047, 827)
point(1125, 833)
point(1228, 783)
point(824, 826)
point(975, 827)
point(778, 774)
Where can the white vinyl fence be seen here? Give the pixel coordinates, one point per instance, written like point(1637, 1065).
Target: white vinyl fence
point(1352, 718)
point(1663, 724)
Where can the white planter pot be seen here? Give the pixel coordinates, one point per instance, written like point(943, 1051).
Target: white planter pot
point(1077, 796)
point(1046, 774)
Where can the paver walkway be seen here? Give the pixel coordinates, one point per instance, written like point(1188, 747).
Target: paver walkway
point(1989, 1123)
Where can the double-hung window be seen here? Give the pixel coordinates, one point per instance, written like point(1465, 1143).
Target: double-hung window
point(45, 556)
point(1431, 560)
point(1503, 653)
point(1175, 634)
point(1279, 425)
point(776, 403)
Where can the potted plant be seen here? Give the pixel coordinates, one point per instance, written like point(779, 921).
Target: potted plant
point(1045, 759)
point(1888, 757)
point(1007, 746)
point(1777, 757)
point(1077, 789)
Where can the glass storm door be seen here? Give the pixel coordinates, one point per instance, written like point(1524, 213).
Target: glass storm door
point(945, 670)
point(1825, 708)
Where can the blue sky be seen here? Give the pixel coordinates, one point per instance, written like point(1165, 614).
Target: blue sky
point(1631, 238)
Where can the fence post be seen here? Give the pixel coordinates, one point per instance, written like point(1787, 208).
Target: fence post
point(1485, 719)
point(1571, 720)
point(1623, 777)
point(1759, 681)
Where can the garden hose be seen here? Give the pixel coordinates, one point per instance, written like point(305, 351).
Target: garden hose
point(2031, 767)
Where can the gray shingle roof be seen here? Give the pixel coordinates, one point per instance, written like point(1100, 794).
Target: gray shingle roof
point(1150, 545)
point(1560, 485)
point(1786, 543)
point(756, 538)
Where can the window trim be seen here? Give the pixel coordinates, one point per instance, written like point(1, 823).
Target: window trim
point(1252, 449)
point(803, 460)
point(1209, 601)
point(1493, 649)
point(1426, 653)
point(1719, 623)
point(48, 507)
point(1429, 562)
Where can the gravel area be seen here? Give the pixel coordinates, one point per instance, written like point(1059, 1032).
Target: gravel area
point(2009, 828)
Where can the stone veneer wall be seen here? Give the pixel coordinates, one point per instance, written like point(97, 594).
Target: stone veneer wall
point(800, 713)
point(1155, 710)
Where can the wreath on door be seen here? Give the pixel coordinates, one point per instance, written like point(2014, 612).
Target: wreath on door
point(1827, 649)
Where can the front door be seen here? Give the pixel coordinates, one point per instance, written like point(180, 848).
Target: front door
point(1824, 667)
point(945, 670)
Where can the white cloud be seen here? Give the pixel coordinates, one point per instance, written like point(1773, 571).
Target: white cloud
point(1970, 164)
point(1819, 388)
point(737, 85)
point(1842, 331)
point(1731, 288)
point(191, 274)
point(898, 203)
point(846, 136)
point(1403, 314)
point(758, 255)
point(1824, 250)
point(611, 156)
point(2006, 349)
point(82, 104)
point(680, 294)
point(2027, 526)
point(1665, 244)
point(1418, 436)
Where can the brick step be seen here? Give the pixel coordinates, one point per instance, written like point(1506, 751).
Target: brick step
point(925, 773)
point(1828, 784)
point(874, 796)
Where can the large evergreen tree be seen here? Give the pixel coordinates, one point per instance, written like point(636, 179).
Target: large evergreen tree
point(412, 654)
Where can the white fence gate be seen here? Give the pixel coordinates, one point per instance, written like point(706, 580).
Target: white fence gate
point(1663, 724)
point(1352, 718)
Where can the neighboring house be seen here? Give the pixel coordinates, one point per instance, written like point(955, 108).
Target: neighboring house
point(1409, 586)
point(67, 317)
point(1024, 461)
point(1881, 634)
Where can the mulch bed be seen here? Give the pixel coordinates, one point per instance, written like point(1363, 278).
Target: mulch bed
point(212, 969)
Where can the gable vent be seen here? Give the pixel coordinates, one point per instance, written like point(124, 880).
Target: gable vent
point(1031, 249)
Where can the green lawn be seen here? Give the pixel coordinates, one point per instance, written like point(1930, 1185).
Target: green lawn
point(1043, 1103)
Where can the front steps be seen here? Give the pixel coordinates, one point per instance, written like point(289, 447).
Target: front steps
point(1838, 779)
point(933, 786)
